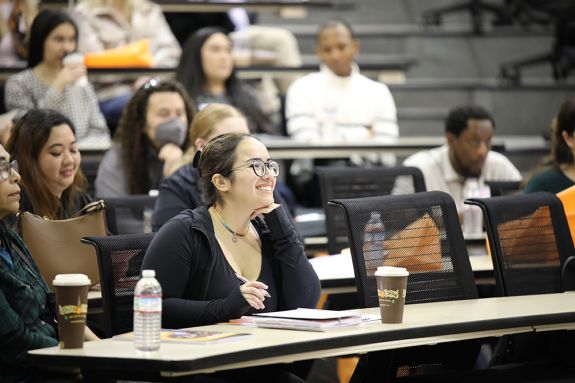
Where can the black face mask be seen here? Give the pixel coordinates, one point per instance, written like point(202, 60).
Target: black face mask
point(171, 132)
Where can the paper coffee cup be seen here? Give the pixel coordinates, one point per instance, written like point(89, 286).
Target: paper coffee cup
point(391, 291)
point(76, 58)
point(72, 308)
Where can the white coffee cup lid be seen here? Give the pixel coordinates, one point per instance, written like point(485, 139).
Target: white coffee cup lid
point(73, 58)
point(71, 280)
point(391, 271)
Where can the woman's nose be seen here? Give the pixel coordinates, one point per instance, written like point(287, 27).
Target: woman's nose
point(14, 176)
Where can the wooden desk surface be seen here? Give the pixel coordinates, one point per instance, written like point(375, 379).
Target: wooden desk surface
point(427, 323)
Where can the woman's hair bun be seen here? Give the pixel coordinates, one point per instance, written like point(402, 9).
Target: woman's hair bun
point(197, 159)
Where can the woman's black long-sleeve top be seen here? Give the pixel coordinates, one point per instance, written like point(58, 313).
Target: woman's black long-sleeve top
point(200, 287)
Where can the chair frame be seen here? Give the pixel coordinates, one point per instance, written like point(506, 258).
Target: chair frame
point(559, 222)
point(460, 258)
point(110, 302)
point(327, 174)
point(132, 201)
point(383, 366)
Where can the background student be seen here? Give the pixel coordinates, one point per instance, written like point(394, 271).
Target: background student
point(557, 172)
point(48, 83)
point(206, 70)
point(152, 135)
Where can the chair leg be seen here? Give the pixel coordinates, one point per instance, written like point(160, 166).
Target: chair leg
point(374, 367)
point(512, 71)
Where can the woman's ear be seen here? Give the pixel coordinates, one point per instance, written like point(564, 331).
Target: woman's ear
point(220, 182)
point(199, 143)
point(569, 139)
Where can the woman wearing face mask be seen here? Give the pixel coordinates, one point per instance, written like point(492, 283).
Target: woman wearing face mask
point(44, 144)
point(49, 83)
point(152, 134)
point(199, 254)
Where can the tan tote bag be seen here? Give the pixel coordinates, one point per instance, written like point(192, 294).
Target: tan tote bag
point(55, 244)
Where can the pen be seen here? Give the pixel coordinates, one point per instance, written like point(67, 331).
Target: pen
point(243, 280)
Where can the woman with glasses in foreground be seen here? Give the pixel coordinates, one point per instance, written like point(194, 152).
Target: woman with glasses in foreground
point(27, 314)
point(201, 254)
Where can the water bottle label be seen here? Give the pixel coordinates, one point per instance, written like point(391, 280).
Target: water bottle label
point(148, 303)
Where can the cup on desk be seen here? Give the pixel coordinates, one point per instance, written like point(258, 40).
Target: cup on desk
point(72, 308)
point(391, 289)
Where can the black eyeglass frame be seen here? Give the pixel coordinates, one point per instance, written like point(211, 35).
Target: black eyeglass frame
point(264, 165)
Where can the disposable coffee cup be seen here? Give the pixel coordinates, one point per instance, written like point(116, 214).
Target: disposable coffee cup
point(76, 58)
point(72, 308)
point(391, 289)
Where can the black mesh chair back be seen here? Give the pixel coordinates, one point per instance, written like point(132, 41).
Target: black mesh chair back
point(423, 234)
point(353, 182)
point(119, 260)
point(127, 215)
point(499, 188)
point(529, 240)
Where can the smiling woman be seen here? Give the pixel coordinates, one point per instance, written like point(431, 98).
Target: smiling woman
point(199, 254)
point(44, 144)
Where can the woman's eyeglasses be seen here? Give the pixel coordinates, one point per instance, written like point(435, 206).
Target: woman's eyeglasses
point(6, 169)
point(260, 167)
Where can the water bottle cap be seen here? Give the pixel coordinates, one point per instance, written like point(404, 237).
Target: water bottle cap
point(148, 273)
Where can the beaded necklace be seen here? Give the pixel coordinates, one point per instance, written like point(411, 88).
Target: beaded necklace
point(234, 234)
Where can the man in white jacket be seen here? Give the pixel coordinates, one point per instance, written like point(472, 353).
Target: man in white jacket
point(338, 103)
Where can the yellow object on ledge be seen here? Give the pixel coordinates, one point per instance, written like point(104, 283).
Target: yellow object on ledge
point(135, 55)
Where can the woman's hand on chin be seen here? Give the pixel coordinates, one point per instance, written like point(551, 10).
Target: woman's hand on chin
point(263, 210)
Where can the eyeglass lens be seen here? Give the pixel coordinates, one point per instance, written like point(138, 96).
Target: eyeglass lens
point(6, 169)
point(260, 168)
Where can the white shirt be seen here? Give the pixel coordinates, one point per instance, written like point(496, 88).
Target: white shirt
point(323, 105)
point(439, 174)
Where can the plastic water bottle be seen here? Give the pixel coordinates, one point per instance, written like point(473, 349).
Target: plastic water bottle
point(374, 243)
point(472, 215)
point(147, 312)
point(147, 217)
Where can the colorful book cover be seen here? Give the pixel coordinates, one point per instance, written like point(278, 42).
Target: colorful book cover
point(192, 336)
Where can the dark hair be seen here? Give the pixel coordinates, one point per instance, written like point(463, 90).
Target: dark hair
point(334, 23)
point(218, 157)
point(29, 136)
point(561, 153)
point(134, 142)
point(42, 26)
point(457, 118)
point(190, 73)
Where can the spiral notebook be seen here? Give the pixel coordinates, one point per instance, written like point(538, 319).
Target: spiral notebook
point(307, 319)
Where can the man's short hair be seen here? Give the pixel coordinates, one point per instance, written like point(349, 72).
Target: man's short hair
point(457, 118)
point(333, 24)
